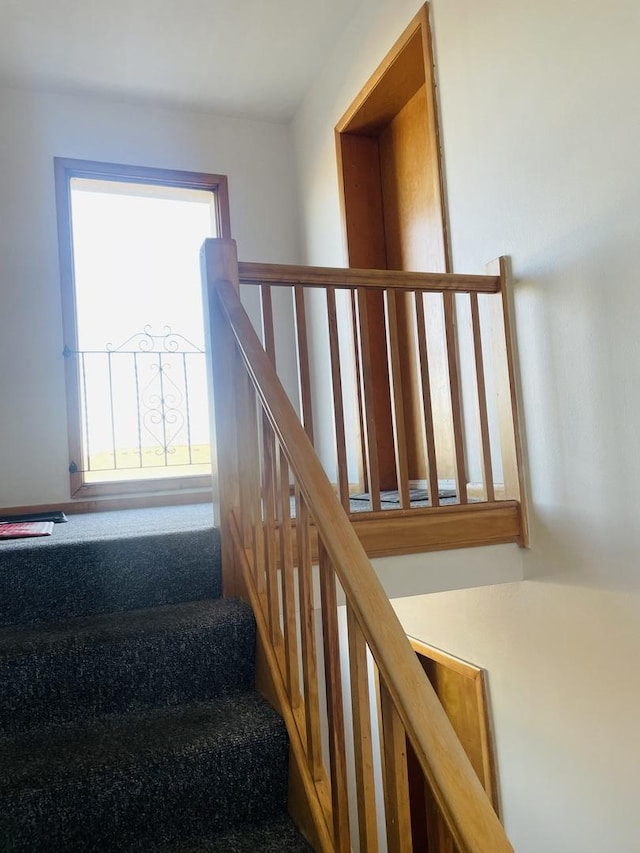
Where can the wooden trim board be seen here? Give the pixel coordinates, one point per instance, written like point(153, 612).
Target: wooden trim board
point(462, 690)
point(64, 170)
point(114, 503)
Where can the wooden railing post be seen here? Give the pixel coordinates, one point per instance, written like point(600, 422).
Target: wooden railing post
point(219, 262)
point(508, 417)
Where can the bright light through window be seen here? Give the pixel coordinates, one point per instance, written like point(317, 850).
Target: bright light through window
point(140, 327)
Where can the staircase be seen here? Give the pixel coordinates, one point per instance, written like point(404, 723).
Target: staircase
point(128, 715)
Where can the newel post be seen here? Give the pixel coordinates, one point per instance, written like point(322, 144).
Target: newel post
point(506, 379)
point(219, 262)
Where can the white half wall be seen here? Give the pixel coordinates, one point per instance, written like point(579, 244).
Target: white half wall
point(563, 690)
point(35, 128)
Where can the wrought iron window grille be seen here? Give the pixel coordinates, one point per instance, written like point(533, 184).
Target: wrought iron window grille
point(143, 404)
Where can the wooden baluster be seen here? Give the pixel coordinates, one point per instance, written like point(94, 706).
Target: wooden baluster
point(308, 639)
point(362, 738)
point(396, 779)
point(362, 450)
point(254, 491)
point(427, 409)
point(248, 463)
point(221, 262)
point(397, 400)
point(456, 406)
point(367, 381)
point(267, 322)
point(304, 373)
point(505, 377)
point(335, 713)
point(269, 520)
point(288, 593)
point(338, 405)
point(269, 482)
point(487, 467)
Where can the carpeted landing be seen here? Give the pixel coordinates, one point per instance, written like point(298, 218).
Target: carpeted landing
point(128, 715)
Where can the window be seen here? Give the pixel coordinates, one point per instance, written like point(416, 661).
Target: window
point(133, 325)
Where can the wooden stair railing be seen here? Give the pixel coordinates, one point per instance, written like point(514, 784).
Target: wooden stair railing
point(441, 334)
point(273, 493)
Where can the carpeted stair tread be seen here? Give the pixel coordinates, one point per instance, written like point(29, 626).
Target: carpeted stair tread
point(122, 524)
point(129, 722)
point(70, 578)
point(132, 740)
point(274, 836)
point(112, 663)
point(161, 776)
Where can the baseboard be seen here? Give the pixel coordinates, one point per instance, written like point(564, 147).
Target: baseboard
point(113, 503)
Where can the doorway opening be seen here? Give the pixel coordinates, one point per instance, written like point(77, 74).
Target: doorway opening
point(392, 193)
point(137, 397)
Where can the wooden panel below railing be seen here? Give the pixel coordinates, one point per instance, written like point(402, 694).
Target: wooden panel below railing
point(461, 688)
point(413, 531)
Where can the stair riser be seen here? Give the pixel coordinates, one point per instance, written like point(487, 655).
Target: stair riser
point(83, 682)
point(86, 578)
point(162, 803)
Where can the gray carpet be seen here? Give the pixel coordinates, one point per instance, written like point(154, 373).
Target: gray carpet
point(118, 524)
point(106, 562)
point(128, 715)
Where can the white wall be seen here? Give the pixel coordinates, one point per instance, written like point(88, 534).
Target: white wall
point(541, 131)
point(35, 127)
point(563, 685)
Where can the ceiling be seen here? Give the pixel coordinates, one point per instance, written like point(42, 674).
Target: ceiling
point(251, 58)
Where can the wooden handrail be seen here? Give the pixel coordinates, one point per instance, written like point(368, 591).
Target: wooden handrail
point(460, 796)
point(351, 279)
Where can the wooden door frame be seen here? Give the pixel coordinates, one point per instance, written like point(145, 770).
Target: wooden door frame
point(404, 71)
point(380, 99)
